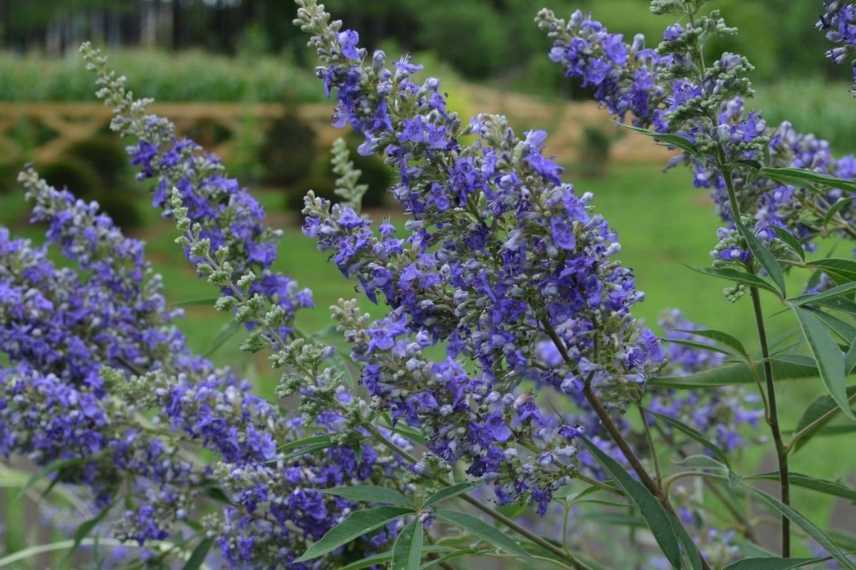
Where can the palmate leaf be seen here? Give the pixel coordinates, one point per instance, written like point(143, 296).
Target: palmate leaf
point(84, 530)
point(694, 434)
point(482, 530)
point(850, 358)
point(407, 550)
point(371, 494)
point(698, 345)
point(662, 524)
point(356, 525)
point(830, 360)
point(816, 417)
point(836, 207)
point(772, 563)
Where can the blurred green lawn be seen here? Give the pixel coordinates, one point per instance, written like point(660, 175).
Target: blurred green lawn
point(664, 225)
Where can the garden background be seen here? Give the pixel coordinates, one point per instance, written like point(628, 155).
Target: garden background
point(234, 75)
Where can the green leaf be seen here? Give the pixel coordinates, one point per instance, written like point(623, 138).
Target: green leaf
point(806, 178)
point(54, 467)
point(785, 367)
point(407, 551)
point(850, 358)
point(84, 530)
point(791, 241)
point(823, 295)
point(229, 330)
point(844, 268)
point(482, 530)
point(667, 139)
point(371, 494)
point(836, 207)
point(357, 524)
point(812, 483)
point(698, 345)
point(772, 563)
point(844, 330)
point(309, 441)
point(649, 507)
point(449, 492)
point(809, 527)
point(694, 434)
point(813, 420)
point(384, 557)
point(765, 257)
point(722, 338)
point(830, 360)
point(197, 302)
point(200, 553)
point(736, 276)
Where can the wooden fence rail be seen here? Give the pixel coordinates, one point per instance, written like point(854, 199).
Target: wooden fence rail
point(63, 124)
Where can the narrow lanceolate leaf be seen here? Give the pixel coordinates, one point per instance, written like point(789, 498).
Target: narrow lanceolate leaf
point(807, 482)
point(668, 139)
point(371, 494)
point(449, 492)
point(784, 368)
point(693, 434)
point(765, 257)
point(482, 530)
point(697, 345)
point(850, 358)
point(791, 241)
point(722, 338)
point(844, 330)
point(229, 330)
point(830, 360)
point(836, 208)
point(356, 525)
point(816, 417)
point(824, 295)
point(649, 507)
point(310, 441)
point(384, 557)
point(809, 527)
point(741, 277)
point(772, 563)
point(836, 266)
point(407, 551)
point(806, 178)
point(85, 529)
point(200, 553)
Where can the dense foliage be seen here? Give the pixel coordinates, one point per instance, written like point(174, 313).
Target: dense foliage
point(498, 392)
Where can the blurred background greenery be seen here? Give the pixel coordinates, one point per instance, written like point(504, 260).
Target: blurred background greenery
point(243, 58)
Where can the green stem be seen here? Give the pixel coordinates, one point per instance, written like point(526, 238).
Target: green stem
point(614, 432)
point(773, 420)
point(497, 516)
point(650, 441)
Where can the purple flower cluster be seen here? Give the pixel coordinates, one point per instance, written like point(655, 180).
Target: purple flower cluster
point(838, 21)
point(502, 263)
point(667, 90)
point(217, 210)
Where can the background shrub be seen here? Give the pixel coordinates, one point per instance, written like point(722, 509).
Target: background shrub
point(289, 149)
